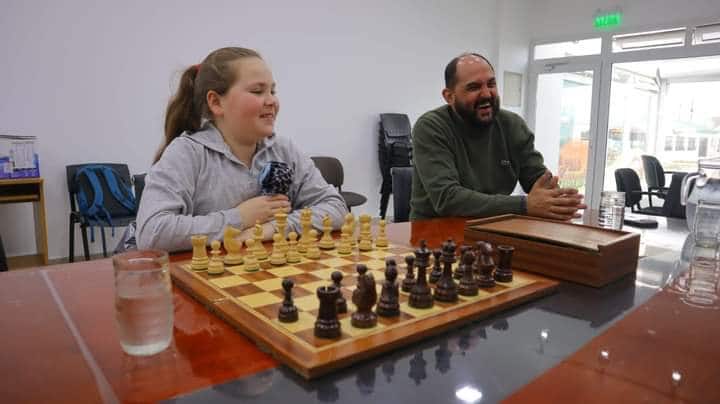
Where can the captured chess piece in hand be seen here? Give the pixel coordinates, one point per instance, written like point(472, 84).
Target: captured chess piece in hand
point(275, 178)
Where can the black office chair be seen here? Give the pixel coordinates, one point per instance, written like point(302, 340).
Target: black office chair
point(655, 176)
point(332, 170)
point(139, 186)
point(627, 180)
point(120, 215)
point(401, 191)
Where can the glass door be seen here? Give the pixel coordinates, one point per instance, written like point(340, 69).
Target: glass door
point(562, 112)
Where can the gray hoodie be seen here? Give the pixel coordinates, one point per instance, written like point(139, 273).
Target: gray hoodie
point(198, 182)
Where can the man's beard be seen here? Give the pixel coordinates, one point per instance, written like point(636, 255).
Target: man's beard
point(470, 115)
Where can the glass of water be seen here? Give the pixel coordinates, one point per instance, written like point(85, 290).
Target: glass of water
point(143, 301)
point(612, 210)
point(707, 224)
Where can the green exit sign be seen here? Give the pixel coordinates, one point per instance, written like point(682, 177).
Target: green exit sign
point(608, 20)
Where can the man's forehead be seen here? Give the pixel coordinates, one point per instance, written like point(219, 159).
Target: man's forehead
point(470, 66)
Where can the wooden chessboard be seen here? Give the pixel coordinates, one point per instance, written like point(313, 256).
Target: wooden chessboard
point(250, 300)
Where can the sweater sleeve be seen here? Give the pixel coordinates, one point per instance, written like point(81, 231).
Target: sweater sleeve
point(310, 190)
point(531, 161)
point(165, 219)
point(434, 158)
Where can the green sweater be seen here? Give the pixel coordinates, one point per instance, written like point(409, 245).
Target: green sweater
point(465, 171)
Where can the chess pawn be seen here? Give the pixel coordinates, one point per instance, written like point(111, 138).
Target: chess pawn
point(365, 234)
point(278, 256)
point(216, 266)
point(232, 246)
point(260, 252)
point(345, 241)
point(436, 272)
point(468, 284)
point(381, 241)
point(288, 313)
point(313, 252)
point(503, 273)
point(409, 280)
point(326, 242)
point(200, 258)
point(350, 222)
point(293, 256)
point(389, 305)
point(251, 264)
point(337, 277)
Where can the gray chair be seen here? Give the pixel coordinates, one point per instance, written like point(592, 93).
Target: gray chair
point(401, 191)
point(332, 170)
point(655, 176)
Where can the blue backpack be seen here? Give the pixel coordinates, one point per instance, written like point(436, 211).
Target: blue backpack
point(95, 208)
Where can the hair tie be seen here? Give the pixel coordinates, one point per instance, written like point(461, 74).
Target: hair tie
point(197, 68)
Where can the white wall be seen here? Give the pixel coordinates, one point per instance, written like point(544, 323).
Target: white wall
point(514, 38)
point(91, 79)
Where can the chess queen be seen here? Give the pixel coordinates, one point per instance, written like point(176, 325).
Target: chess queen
point(219, 138)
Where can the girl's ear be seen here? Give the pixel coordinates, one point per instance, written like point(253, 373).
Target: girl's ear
point(214, 102)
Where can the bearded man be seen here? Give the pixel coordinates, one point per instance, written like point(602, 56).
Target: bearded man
point(469, 155)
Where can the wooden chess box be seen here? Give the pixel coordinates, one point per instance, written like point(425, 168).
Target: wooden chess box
point(578, 253)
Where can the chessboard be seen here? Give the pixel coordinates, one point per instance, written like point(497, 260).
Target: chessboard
point(250, 301)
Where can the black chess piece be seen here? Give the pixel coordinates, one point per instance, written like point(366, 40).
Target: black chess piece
point(389, 305)
point(409, 280)
point(486, 265)
point(421, 294)
point(337, 277)
point(442, 357)
point(288, 313)
point(476, 265)
point(327, 324)
point(436, 271)
point(468, 283)
point(446, 289)
point(364, 297)
point(460, 271)
point(503, 273)
point(417, 368)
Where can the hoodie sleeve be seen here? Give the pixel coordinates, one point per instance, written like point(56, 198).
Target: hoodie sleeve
point(165, 219)
point(309, 190)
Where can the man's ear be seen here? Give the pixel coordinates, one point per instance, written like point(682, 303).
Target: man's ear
point(214, 103)
point(448, 95)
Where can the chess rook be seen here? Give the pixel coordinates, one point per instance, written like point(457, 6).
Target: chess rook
point(503, 273)
point(200, 258)
point(327, 324)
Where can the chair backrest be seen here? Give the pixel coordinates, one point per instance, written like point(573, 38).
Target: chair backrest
point(654, 172)
point(139, 185)
point(76, 184)
point(627, 180)
point(331, 169)
point(672, 206)
point(401, 191)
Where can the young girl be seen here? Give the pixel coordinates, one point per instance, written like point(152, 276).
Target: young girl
point(218, 137)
